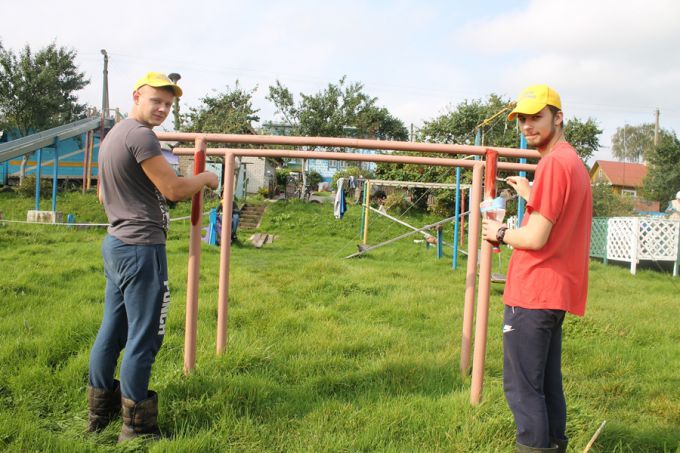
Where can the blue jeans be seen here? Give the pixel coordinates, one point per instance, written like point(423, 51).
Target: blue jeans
point(532, 374)
point(135, 314)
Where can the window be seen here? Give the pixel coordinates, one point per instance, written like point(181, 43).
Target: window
point(629, 193)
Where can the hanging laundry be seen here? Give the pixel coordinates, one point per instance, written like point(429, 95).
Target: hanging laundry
point(339, 207)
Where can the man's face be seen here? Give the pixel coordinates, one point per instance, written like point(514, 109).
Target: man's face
point(153, 104)
point(539, 129)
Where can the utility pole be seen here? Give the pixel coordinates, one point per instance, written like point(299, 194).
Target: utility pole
point(656, 128)
point(175, 107)
point(105, 85)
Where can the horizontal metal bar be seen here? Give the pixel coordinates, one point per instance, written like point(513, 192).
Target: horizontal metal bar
point(390, 158)
point(346, 143)
point(415, 184)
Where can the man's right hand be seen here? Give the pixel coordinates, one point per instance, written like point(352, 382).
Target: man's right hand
point(521, 186)
point(211, 179)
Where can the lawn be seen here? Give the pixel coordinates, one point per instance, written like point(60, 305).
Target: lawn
point(324, 353)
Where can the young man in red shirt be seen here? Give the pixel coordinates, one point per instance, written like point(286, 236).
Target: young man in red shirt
point(547, 274)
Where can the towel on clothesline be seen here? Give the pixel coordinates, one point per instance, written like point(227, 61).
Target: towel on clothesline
point(339, 207)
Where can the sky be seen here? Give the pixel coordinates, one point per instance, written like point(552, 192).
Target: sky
point(615, 61)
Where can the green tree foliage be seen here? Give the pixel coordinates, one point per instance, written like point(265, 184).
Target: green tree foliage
point(458, 126)
point(663, 175)
point(340, 110)
point(37, 90)
point(583, 136)
point(608, 203)
point(357, 172)
point(228, 112)
point(632, 143)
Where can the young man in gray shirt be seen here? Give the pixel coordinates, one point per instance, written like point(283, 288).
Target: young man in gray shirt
point(134, 182)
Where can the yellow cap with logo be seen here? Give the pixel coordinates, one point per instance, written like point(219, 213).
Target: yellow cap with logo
point(533, 99)
point(158, 80)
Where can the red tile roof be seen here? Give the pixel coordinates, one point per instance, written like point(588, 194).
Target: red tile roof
point(623, 174)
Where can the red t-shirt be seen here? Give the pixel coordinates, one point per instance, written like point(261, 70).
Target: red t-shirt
point(556, 276)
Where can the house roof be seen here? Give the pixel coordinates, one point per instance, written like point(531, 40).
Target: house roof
point(624, 174)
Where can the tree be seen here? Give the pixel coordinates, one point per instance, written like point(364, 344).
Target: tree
point(229, 112)
point(632, 143)
point(607, 203)
point(663, 174)
point(37, 91)
point(340, 110)
point(460, 125)
point(583, 136)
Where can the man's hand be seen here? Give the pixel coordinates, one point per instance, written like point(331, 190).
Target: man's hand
point(521, 186)
point(211, 179)
point(489, 229)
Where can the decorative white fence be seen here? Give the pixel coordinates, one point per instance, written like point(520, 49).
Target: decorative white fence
point(631, 239)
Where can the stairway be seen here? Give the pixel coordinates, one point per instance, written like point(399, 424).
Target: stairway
point(251, 215)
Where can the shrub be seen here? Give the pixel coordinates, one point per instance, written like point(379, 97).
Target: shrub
point(27, 187)
point(351, 171)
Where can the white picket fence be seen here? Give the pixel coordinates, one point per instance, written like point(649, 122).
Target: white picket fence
point(632, 239)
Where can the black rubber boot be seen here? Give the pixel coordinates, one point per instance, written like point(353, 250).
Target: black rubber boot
point(140, 419)
point(103, 406)
point(524, 449)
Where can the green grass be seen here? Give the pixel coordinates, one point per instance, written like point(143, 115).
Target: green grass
point(324, 354)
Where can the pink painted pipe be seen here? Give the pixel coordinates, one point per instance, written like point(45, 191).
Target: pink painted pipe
point(471, 272)
point(483, 290)
point(225, 254)
point(391, 158)
point(346, 143)
point(191, 321)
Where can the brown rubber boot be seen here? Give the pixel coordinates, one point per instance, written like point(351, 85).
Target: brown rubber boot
point(103, 406)
point(140, 419)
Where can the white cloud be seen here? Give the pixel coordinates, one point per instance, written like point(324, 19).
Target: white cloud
point(611, 60)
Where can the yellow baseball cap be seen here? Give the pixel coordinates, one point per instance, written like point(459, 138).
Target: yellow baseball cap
point(533, 99)
point(157, 80)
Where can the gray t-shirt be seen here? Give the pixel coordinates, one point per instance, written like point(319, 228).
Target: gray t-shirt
point(136, 210)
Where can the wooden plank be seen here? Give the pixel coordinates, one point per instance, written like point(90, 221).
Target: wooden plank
point(259, 239)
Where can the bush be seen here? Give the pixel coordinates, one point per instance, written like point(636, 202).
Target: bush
point(27, 187)
point(351, 171)
point(607, 203)
point(313, 179)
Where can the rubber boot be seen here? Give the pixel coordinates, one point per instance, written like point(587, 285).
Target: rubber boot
point(103, 406)
point(140, 419)
point(561, 444)
point(524, 449)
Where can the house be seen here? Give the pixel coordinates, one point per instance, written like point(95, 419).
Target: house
point(253, 174)
point(625, 178)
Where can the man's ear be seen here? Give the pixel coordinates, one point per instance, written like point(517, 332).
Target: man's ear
point(135, 96)
point(559, 118)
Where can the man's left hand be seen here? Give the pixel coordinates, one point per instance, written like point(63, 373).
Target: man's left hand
point(489, 229)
